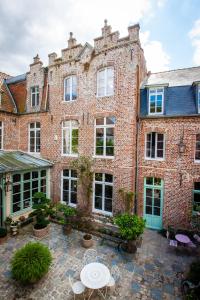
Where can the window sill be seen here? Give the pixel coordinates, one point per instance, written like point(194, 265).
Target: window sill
point(104, 96)
point(34, 153)
point(102, 212)
point(69, 155)
point(69, 204)
point(155, 114)
point(197, 162)
point(69, 101)
point(103, 157)
point(155, 159)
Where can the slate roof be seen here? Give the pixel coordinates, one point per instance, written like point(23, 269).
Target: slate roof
point(179, 77)
point(19, 161)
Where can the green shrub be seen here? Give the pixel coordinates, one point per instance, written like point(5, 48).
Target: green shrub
point(3, 232)
point(130, 226)
point(31, 263)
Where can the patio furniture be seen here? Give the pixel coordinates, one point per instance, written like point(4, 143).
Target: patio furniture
point(115, 276)
point(77, 287)
point(90, 256)
point(196, 237)
point(173, 243)
point(191, 245)
point(182, 238)
point(95, 276)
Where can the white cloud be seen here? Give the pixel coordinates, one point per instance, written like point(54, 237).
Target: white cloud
point(156, 57)
point(161, 3)
point(194, 35)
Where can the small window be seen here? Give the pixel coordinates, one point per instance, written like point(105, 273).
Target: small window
point(196, 197)
point(70, 137)
point(1, 135)
point(156, 100)
point(155, 145)
point(104, 128)
point(35, 96)
point(34, 137)
point(103, 193)
point(105, 82)
point(70, 88)
point(197, 148)
point(69, 187)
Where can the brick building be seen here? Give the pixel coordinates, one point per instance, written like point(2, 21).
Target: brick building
point(88, 102)
point(84, 103)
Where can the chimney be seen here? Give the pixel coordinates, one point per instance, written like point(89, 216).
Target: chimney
point(106, 30)
point(133, 32)
point(52, 57)
point(71, 41)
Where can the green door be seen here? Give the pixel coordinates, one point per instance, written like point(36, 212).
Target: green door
point(153, 202)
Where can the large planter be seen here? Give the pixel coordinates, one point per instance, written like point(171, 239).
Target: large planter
point(40, 233)
point(87, 241)
point(3, 240)
point(131, 246)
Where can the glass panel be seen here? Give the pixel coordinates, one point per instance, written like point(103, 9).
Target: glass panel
point(73, 198)
point(74, 173)
point(16, 178)
point(74, 140)
point(156, 211)
point(110, 120)
point(108, 205)
point(148, 210)
point(16, 188)
point(27, 186)
point(65, 184)
point(98, 189)
point(197, 185)
point(149, 180)
point(98, 176)
point(108, 191)
point(26, 203)
point(100, 121)
point(43, 173)
point(66, 196)
point(108, 178)
point(32, 125)
point(66, 141)
point(67, 89)
point(43, 182)
point(27, 176)
point(35, 184)
point(149, 201)
point(35, 174)
point(157, 181)
point(27, 194)
point(16, 198)
point(74, 87)
point(98, 203)
point(73, 185)
point(66, 173)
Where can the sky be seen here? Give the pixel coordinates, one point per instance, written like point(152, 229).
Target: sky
point(169, 29)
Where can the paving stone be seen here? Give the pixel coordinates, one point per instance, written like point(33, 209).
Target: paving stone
point(136, 287)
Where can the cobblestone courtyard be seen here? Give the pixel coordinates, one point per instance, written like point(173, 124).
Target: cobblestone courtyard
point(150, 274)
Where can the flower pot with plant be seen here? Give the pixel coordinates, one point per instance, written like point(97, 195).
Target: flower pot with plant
point(41, 206)
point(131, 227)
point(68, 214)
point(14, 227)
point(87, 241)
point(3, 235)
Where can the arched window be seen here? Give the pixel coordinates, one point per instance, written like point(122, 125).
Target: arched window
point(105, 82)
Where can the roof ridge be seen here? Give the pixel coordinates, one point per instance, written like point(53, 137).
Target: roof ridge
point(173, 70)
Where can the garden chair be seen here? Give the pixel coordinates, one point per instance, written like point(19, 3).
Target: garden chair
point(90, 256)
point(196, 237)
point(115, 276)
point(173, 243)
point(77, 287)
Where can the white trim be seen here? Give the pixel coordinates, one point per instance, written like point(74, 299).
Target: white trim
point(103, 183)
point(104, 127)
point(156, 94)
point(2, 134)
point(35, 129)
point(70, 127)
point(156, 137)
point(71, 88)
point(70, 179)
point(105, 72)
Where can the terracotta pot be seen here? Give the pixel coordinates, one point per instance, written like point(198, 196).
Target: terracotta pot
point(3, 240)
point(87, 241)
point(67, 229)
point(40, 233)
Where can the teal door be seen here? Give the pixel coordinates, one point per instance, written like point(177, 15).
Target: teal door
point(153, 202)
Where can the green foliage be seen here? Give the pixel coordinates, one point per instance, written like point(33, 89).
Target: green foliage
point(127, 197)
point(3, 232)
point(42, 209)
point(130, 226)
point(194, 272)
point(8, 220)
point(83, 165)
point(31, 263)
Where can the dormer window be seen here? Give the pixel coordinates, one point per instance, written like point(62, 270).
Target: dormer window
point(198, 98)
point(35, 96)
point(70, 88)
point(156, 101)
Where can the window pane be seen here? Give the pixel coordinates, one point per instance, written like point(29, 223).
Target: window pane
point(27, 186)
point(149, 180)
point(66, 172)
point(43, 173)
point(27, 176)
point(108, 205)
point(74, 140)
point(98, 189)
point(100, 121)
point(110, 120)
point(16, 198)
point(148, 210)
point(74, 173)
point(108, 178)
point(157, 181)
point(98, 176)
point(108, 191)
point(66, 141)
point(67, 89)
point(73, 198)
point(197, 186)
point(66, 196)
point(16, 188)
point(35, 174)
point(98, 203)
point(74, 185)
point(74, 88)
point(156, 211)
point(16, 178)
point(35, 184)
point(66, 184)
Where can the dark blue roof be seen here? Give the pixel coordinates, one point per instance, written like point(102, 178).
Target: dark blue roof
point(16, 79)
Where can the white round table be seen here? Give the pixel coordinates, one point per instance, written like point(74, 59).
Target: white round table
point(95, 276)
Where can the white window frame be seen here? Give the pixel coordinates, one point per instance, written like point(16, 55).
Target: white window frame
point(196, 160)
point(103, 195)
point(156, 94)
point(35, 93)
point(106, 94)
point(70, 178)
point(155, 158)
point(104, 126)
point(35, 129)
point(2, 132)
point(198, 98)
point(70, 139)
point(71, 88)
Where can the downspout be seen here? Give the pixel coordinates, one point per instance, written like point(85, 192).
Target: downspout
point(137, 136)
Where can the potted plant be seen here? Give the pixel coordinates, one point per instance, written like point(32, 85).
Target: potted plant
point(190, 284)
point(3, 235)
point(41, 206)
point(69, 213)
point(130, 227)
point(14, 227)
point(87, 241)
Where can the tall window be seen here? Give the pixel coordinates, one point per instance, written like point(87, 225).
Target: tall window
point(196, 197)
point(103, 193)
point(197, 150)
point(155, 145)
point(70, 137)
point(35, 96)
point(69, 187)
point(104, 128)
point(156, 100)
point(198, 98)
point(34, 137)
point(70, 88)
point(25, 185)
point(105, 82)
point(1, 135)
